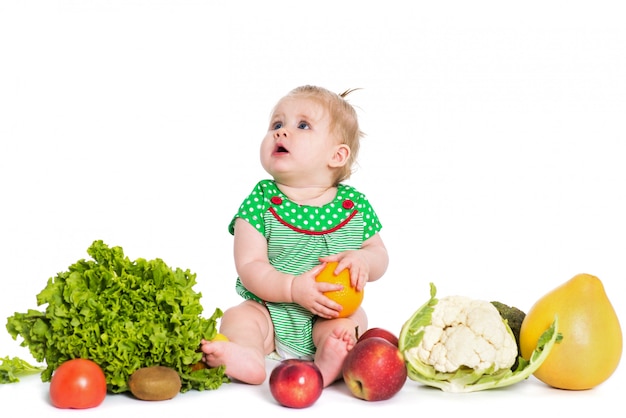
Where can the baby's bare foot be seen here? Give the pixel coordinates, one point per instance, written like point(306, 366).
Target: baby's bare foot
point(242, 363)
point(330, 356)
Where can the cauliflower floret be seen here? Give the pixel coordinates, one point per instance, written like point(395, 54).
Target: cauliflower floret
point(466, 333)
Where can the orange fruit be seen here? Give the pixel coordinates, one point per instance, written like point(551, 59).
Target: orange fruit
point(592, 337)
point(348, 297)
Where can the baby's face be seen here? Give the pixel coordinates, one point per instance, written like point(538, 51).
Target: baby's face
point(299, 146)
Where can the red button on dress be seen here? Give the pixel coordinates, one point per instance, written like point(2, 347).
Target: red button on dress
point(348, 204)
point(277, 200)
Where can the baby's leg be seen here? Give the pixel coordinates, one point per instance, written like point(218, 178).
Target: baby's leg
point(250, 337)
point(334, 338)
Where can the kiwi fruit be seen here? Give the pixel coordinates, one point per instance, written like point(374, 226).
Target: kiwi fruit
point(154, 383)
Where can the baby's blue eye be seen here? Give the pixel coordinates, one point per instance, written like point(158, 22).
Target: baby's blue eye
point(277, 125)
point(303, 125)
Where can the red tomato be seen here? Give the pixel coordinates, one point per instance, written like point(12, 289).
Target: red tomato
point(78, 384)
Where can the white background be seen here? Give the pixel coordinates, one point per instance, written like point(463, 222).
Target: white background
point(494, 153)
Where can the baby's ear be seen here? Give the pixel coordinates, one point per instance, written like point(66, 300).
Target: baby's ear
point(340, 156)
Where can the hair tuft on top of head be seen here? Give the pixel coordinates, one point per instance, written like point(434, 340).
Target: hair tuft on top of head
point(347, 92)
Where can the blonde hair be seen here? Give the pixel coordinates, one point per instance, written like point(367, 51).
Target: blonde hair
point(343, 121)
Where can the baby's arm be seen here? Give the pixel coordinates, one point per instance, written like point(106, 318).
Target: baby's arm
point(366, 264)
point(253, 267)
point(262, 279)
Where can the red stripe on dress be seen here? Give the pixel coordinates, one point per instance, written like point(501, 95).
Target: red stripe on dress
point(304, 231)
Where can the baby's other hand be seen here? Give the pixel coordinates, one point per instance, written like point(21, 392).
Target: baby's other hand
point(355, 261)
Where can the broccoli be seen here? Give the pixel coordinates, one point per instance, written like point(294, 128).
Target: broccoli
point(514, 318)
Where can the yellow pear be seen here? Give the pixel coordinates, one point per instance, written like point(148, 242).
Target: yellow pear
point(592, 337)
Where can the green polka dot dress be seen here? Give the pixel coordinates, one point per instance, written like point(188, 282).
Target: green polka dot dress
point(297, 236)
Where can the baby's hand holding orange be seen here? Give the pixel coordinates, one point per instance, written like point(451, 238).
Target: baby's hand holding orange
point(307, 292)
point(348, 297)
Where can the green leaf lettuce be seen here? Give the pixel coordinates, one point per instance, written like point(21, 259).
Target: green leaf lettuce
point(11, 368)
point(123, 315)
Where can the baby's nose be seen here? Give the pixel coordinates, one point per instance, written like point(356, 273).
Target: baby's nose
point(282, 132)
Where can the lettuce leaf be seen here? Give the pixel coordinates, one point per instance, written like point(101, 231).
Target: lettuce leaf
point(123, 315)
point(11, 368)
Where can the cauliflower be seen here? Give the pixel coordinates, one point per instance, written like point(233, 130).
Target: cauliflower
point(459, 344)
point(466, 333)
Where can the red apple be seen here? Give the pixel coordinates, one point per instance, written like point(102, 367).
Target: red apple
point(380, 332)
point(296, 383)
point(374, 370)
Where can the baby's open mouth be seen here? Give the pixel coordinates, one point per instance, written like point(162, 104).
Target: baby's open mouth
point(281, 149)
